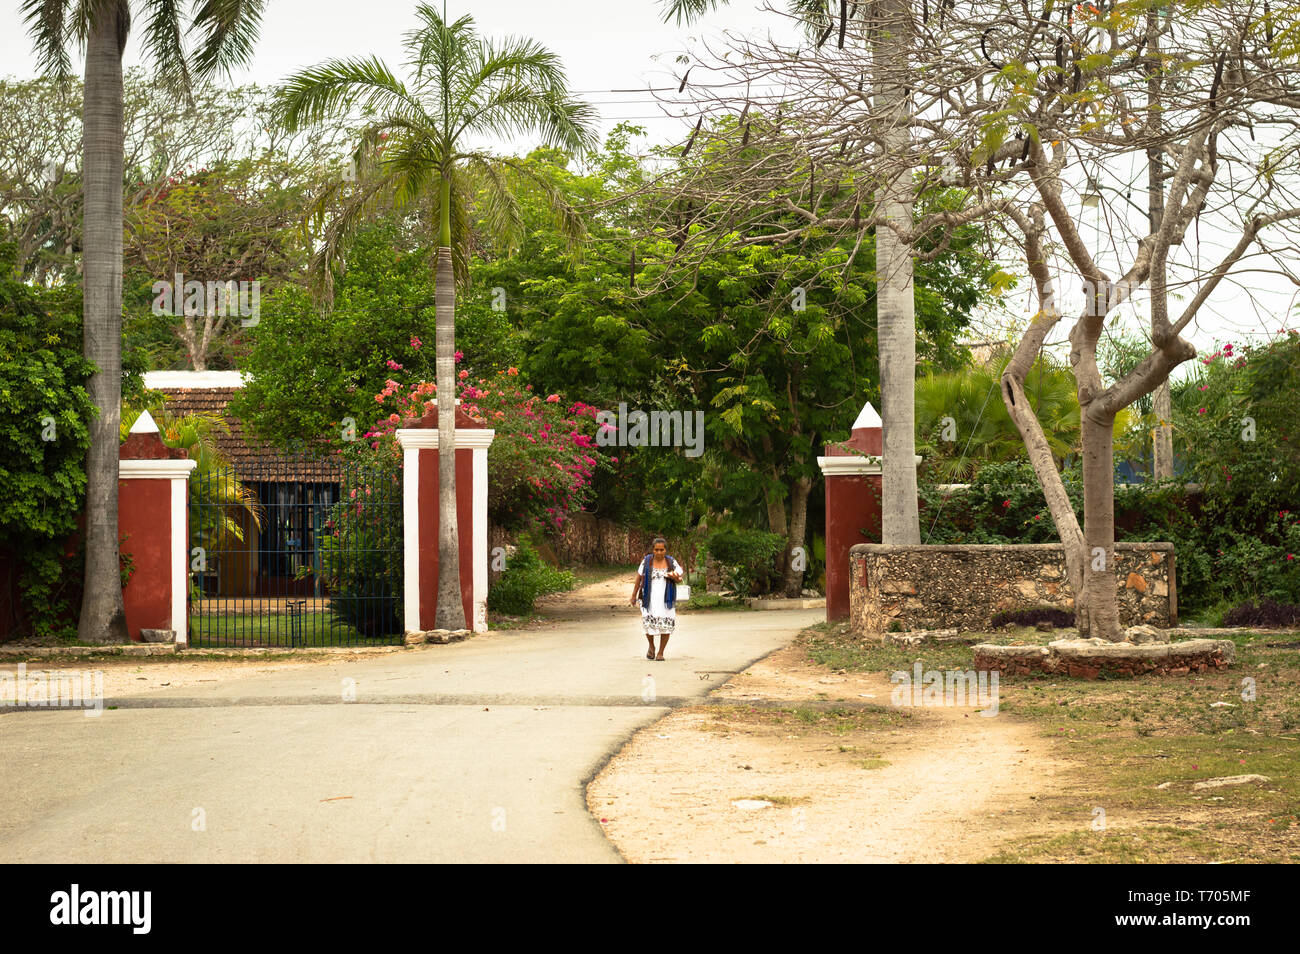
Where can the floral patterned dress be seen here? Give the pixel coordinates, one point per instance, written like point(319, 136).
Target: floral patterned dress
point(655, 616)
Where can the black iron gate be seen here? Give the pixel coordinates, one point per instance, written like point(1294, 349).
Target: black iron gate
point(296, 552)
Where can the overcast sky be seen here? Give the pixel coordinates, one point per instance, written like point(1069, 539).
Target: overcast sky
point(606, 46)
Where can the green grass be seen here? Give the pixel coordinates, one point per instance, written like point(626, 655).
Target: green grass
point(1124, 737)
point(274, 629)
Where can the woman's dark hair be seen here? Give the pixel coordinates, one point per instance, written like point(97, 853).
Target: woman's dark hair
point(658, 540)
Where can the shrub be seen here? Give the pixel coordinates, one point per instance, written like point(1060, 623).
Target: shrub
point(1059, 618)
point(526, 578)
point(746, 559)
point(1264, 613)
point(44, 437)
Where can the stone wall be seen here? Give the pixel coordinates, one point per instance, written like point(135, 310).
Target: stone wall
point(588, 540)
point(1091, 658)
point(964, 586)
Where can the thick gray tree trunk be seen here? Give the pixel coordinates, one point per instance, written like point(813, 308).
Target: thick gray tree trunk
point(103, 619)
point(792, 583)
point(450, 613)
point(895, 302)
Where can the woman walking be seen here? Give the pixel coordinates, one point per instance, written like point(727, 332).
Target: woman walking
point(656, 590)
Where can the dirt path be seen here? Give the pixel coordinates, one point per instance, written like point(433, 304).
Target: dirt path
point(795, 764)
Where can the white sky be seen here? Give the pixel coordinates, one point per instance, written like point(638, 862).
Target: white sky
point(606, 45)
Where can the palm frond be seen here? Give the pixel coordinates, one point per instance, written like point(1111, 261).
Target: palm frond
point(684, 11)
point(48, 27)
point(334, 87)
point(163, 31)
point(567, 218)
point(227, 32)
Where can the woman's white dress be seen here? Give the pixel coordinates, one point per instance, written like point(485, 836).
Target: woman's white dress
point(655, 616)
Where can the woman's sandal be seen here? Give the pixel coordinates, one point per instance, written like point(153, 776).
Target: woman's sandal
point(650, 654)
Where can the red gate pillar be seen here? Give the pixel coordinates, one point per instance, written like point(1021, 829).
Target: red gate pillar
point(853, 481)
point(153, 516)
point(420, 518)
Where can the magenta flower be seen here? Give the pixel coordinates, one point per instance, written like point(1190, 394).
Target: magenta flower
point(415, 342)
point(552, 399)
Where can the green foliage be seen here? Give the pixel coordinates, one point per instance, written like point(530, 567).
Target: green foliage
point(746, 558)
point(312, 369)
point(980, 428)
point(526, 578)
point(1002, 504)
point(1237, 432)
point(44, 436)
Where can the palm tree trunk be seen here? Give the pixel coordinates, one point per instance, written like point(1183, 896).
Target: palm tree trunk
point(103, 618)
point(450, 613)
point(895, 302)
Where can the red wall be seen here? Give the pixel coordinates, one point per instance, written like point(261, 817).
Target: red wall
point(852, 505)
point(429, 533)
point(145, 519)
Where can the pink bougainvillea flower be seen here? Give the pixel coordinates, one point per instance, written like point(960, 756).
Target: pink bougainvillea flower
point(512, 371)
point(1006, 503)
point(393, 365)
point(1201, 411)
point(415, 342)
point(552, 399)
point(463, 375)
point(458, 356)
point(393, 418)
point(1203, 387)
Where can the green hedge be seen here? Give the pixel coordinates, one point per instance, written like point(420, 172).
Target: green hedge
point(526, 578)
point(746, 559)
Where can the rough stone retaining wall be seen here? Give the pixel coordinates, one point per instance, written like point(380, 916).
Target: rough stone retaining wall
point(588, 540)
point(964, 586)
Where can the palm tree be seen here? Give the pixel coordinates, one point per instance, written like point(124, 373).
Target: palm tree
point(224, 31)
point(417, 153)
point(895, 288)
point(962, 423)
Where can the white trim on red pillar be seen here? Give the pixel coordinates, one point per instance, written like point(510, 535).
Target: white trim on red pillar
point(410, 534)
point(177, 474)
point(412, 441)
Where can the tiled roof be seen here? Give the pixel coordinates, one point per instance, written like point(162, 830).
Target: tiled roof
point(251, 458)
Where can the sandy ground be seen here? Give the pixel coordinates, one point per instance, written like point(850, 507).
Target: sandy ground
point(141, 675)
point(729, 783)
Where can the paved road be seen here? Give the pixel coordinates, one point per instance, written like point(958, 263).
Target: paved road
point(477, 752)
